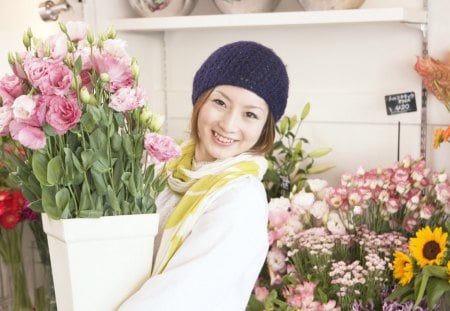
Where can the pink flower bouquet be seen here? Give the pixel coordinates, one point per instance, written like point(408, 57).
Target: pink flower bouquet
point(73, 102)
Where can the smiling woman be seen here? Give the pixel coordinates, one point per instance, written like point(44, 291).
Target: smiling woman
point(216, 207)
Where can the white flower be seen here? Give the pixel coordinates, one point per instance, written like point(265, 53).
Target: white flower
point(319, 209)
point(358, 210)
point(335, 224)
point(279, 203)
point(116, 47)
point(76, 30)
point(317, 185)
point(23, 107)
point(302, 201)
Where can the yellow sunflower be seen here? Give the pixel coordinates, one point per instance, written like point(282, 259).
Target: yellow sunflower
point(448, 270)
point(403, 268)
point(428, 247)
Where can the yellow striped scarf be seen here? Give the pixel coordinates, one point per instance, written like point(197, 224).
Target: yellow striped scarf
point(196, 186)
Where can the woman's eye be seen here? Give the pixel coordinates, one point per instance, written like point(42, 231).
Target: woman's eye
point(251, 115)
point(219, 102)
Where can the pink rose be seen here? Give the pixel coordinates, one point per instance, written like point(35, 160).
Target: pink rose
point(63, 113)
point(118, 70)
point(76, 30)
point(30, 136)
point(36, 70)
point(28, 110)
point(5, 119)
point(12, 85)
point(161, 148)
point(126, 99)
point(58, 80)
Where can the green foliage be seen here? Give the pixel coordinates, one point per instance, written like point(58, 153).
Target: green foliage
point(289, 163)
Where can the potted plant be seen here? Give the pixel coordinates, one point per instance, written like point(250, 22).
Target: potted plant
point(91, 146)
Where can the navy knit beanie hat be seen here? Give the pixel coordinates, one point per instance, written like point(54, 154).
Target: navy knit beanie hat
point(249, 65)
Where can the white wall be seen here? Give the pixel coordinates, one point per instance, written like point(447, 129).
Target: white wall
point(343, 70)
point(15, 18)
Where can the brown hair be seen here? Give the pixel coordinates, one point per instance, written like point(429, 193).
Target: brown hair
point(265, 140)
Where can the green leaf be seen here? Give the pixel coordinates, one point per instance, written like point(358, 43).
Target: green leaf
point(33, 186)
point(117, 174)
point(112, 199)
point(99, 182)
point(97, 139)
point(39, 165)
point(85, 203)
point(116, 142)
point(36, 206)
point(98, 114)
point(91, 214)
point(55, 171)
point(62, 198)
point(88, 157)
point(78, 66)
point(422, 285)
point(127, 145)
point(305, 111)
point(399, 292)
point(119, 119)
point(49, 202)
point(78, 172)
point(128, 180)
point(436, 288)
point(88, 122)
point(320, 168)
point(68, 167)
point(319, 152)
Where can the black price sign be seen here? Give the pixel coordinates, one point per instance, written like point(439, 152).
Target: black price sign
point(400, 103)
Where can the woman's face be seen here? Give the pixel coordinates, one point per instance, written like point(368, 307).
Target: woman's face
point(229, 123)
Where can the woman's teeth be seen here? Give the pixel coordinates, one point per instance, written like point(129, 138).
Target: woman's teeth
point(223, 139)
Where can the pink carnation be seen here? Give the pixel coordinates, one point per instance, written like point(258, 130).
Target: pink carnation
point(36, 70)
point(5, 119)
point(118, 70)
point(126, 99)
point(161, 148)
point(58, 80)
point(11, 85)
point(30, 136)
point(29, 110)
point(63, 114)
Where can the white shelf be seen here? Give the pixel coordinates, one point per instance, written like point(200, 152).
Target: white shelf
point(271, 19)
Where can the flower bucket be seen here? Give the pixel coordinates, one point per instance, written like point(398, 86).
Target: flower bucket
point(97, 263)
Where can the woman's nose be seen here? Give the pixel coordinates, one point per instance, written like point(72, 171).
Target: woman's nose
point(229, 122)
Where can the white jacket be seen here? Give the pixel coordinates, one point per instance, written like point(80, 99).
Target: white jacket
point(216, 267)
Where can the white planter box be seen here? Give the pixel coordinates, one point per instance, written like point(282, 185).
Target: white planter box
point(97, 263)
